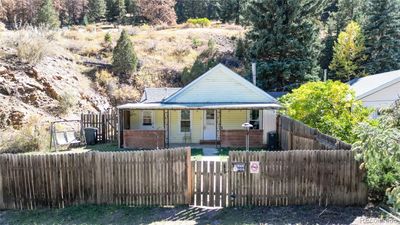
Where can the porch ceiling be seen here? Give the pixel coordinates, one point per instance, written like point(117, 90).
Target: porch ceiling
point(194, 106)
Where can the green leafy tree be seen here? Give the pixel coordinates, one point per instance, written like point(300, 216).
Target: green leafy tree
point(124, 59)
point(47, 15)
point(382, 35)
point(379, 149)
point(231, 11)
point(97, 10)
point(329, 106)
point(348, 53)
point(336, 16)
point(284, 39)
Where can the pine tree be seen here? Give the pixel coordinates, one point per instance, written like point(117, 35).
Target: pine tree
point(382, 35)
point(97, 10)
point(124, 59)
point(285, 41)
point(47, 15)
point(348, 53)
point(121, 11)
point(230, 11)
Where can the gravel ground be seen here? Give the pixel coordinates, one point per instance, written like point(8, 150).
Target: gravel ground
point(90, 214)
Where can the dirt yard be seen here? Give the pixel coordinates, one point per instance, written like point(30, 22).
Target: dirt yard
point(187, 215)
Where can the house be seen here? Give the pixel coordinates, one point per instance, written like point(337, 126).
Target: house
point(209, 110)
point(377, 91)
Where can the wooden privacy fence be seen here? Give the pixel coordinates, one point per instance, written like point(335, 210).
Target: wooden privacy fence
point(144, 178)
point(106, 124)
point(210, 183)
point(294, 134)
point(285, 178)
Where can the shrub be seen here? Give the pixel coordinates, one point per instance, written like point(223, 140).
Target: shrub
point(125, 93)
point(107, 38)
point(107, 81)
point(203, 22)
point(379, 148)
point(33, 136)
point(196, 43)
point(240, 50)
point(32, 44)
point(66, 102)
point(180, 53)
point(394, 197)
point(329, 106)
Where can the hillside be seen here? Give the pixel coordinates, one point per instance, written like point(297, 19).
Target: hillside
point(51, 74)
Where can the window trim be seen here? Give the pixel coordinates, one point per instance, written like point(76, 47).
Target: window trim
point(152, 118)
point(180, 121)
point(259, 118)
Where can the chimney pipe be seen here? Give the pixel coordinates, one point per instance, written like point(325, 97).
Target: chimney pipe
point(254, 73)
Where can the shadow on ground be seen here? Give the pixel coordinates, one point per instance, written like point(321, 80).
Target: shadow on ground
point(91, 214)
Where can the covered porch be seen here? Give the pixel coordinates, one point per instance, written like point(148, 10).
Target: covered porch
point(157, 125)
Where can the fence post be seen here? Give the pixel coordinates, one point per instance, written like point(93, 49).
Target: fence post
point(2, 206)
point(189, 190)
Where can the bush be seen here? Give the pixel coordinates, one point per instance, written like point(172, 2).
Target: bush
point(125, 93)
point(379, 148)
point(33, 136)
point(180, 52)
point(196, 43)
point(203, 22)
point(66, 102)
point(394, 197)
point(329, 106)
point(32, 44)
point(107, 81)
point(108, 38)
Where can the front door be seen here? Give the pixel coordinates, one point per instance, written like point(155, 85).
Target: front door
point(210, 132)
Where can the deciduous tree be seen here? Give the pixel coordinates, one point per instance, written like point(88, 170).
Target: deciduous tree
point(348, 53)
point(328, 106)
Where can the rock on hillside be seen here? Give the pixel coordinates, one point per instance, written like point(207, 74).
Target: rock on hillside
point(42, 90)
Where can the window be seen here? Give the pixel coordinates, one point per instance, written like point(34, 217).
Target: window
point(255, 119)
point(185, 121)
point(147, 118)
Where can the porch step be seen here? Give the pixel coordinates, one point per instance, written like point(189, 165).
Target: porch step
point(209, 142)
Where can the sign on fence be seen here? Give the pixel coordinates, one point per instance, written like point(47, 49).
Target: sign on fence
point(254, 167)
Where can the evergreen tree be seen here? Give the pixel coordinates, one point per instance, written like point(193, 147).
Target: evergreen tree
point(47, 15)
point(230, 11)
point(124, 59)
point(121, 11)
point(382, 35)
point(285, 41)
point(348, 53)
point(97, 10)
point(112, 10)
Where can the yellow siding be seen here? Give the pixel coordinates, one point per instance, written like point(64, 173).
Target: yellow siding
point(176, 136)
point(136, 120)
point(233, 119)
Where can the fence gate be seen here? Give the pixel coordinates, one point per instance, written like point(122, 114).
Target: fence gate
point(210, 183)
point(106, 124)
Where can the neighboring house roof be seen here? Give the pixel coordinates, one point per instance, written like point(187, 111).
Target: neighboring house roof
point(219, 88)
point(153, 95)
point(277, 94)
point(368, 85)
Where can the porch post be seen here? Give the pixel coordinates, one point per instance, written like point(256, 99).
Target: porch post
point(166, 128)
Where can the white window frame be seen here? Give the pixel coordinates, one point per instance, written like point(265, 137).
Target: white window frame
point(259, 118)
point(180, 121)
point(152, 119)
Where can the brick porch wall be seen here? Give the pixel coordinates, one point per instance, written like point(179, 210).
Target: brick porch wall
point(143, 139)
point(237, 138)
